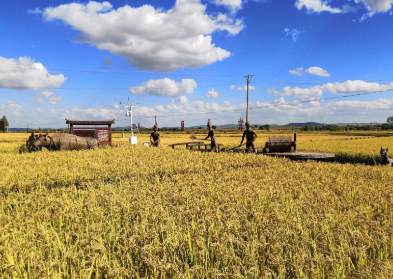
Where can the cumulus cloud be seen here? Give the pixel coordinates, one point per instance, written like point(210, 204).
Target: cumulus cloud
point(350, 110)
point(232, 87)
point(297, 71)
point(24, 73)
point(234, 5)
point(349, 86)
point(46, 97)
point(227, 103)
point(212, 94)
point(165, 87)
point(10, 108)
point(149, 38)
point(293, 33)
point(380, 6)
point(316, 6)
point(317, 71)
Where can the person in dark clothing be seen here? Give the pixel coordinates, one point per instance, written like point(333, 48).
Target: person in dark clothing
point(155, 137)
point(212, 137)
point(250, 135)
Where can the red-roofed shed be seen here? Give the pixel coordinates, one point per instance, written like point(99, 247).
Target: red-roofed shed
point(89, 129)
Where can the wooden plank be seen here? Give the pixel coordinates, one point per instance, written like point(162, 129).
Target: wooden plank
point(184, 143)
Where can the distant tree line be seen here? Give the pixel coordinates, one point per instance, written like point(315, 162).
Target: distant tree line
point(376, 127)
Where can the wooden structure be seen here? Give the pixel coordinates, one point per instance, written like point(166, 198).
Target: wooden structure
point(184, 143)
point(195, 145)
point(198, 146)
point(282, 147)
point(281, 144)
point(92, 129)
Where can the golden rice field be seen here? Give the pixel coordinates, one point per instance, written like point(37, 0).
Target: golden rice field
point(138, 212)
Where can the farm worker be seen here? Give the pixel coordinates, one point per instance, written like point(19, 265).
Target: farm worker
point(155, 137)
point(251, 136)
point(40, 134)
point(212, 136)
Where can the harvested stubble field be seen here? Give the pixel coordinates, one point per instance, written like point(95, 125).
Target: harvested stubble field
point(129, 212)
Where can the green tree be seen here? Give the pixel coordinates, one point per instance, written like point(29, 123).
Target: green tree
point(390, 120)
point(4, 123)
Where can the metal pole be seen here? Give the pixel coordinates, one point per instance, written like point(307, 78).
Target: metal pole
point(132, 134)
point(248, 77)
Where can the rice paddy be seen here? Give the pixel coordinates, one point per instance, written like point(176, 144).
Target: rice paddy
point(139, 212)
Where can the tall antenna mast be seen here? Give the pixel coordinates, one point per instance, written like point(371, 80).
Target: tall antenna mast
point(133, 140)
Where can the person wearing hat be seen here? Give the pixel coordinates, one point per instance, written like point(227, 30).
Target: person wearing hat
point(250, 135)
point(212, 136)
point(155, 137)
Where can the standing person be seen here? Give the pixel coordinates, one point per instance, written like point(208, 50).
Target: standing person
point(155, 137)
point(40, 134)
point(212, 137)
point(250, 135)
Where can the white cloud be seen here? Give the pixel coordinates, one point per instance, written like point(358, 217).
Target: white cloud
point(149, 38)
point(293, 33)
point(46, 97)
point(24, 73)
point(10, 108)
point(380, 6)
point(116, 106)
point(349, 86)
point(316, 6)
point(183, 100)
point(351, 110)
point(35, 11)
point(234, 5)
point(297, 71)
point(227, 103)
point(232, 87)
point(315, 104)
point(244, 88)
point(92, 97)
point(165, 87)
point(317, 71)
point(212, 94)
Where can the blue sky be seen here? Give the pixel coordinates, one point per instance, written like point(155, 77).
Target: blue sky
point(77, 60)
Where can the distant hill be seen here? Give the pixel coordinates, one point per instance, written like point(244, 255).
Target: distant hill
point(309, 124)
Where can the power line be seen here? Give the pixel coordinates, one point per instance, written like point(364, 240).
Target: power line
point(267, 106)
point(111, 88)
point(122, 72)
point(308, 83)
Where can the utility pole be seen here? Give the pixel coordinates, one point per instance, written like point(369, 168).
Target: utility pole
point(248, 77)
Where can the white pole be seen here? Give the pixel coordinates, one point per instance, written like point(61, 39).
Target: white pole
point(132, 134)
